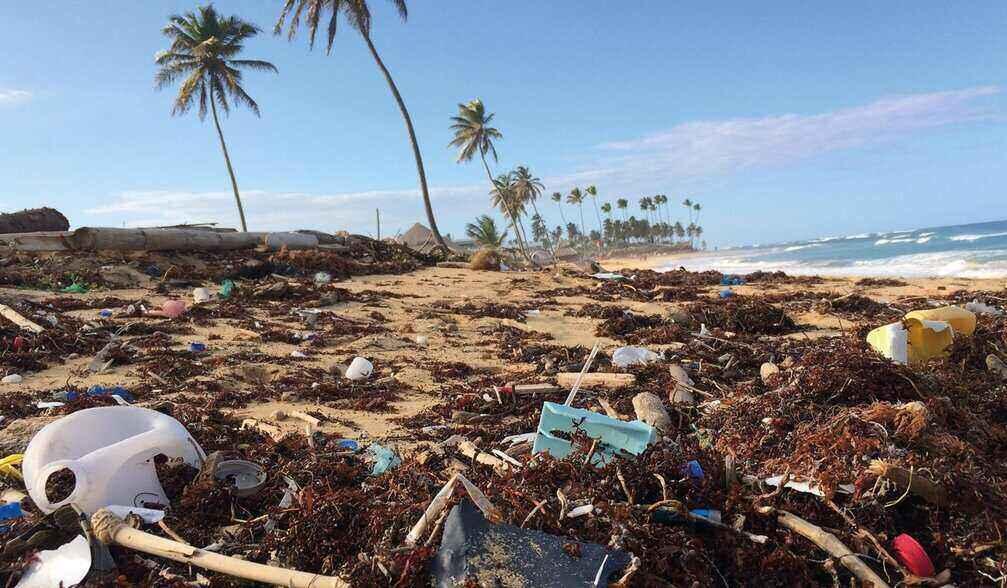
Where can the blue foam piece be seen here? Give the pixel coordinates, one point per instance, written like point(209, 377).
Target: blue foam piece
point(615, 437)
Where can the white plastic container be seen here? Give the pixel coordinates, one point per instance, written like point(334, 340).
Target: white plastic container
point(359, 369)
point(110, 451)
point(201, 295)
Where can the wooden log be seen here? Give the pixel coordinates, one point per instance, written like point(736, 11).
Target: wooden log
point(830, 543)
point(16, 318)
point(912, 481)
point(596, 380)
point(111, 530)
point(650, 410)
point(33, 220)
point(113, 239)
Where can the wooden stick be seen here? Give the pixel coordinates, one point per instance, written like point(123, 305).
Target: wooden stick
point(596, 380)
point(609, 410)
point(828, 542)
point(911, 481)
point(111, 530)
point(469, 450)
point(16, 318)
point(434, 509)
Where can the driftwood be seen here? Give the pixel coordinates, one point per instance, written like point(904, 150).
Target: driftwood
point(33, 220)
point(16, 318)
point(112, 239)
point(469, 450)
point(906, 480)
point(650, 410)
point(828, 542)
point(111, 530)
point(596, 380)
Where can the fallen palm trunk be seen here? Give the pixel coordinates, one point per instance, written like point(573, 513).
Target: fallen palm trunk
point(828, 542)
point(111, 530)
point(111, 239)
point(33, 220)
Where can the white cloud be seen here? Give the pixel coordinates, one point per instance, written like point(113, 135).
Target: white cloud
point(710, 148)
point(13, 96)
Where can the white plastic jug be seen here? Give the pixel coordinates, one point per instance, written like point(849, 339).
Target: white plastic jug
point(359, 369)
point(110, 451)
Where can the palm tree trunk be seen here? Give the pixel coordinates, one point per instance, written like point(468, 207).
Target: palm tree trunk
point(583, 229)
point(227, 159)
point(594, 200)
point(510, 213)
point(561, 215)
point(412, 140)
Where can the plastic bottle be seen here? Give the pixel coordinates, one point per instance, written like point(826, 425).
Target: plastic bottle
point(110, 452)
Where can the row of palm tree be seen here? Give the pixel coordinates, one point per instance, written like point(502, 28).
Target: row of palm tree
point(204, 54)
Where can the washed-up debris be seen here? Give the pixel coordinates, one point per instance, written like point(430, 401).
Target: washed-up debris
point(560, 424)
point(627, 356)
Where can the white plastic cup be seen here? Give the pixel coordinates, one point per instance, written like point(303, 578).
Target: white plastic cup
point(359, 369)
point(200, 295)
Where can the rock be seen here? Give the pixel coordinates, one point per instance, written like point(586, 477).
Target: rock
point(996, 365)
point(12, 379)
point(650, 410)
point(767, 371)
point(680, 394)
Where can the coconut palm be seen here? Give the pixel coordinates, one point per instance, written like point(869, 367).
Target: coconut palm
point(203, 51)
point(358, 14)
point(622, 204)
point(697, 208)
point(577, 197)
point(527, 187)
point(558, 199)
point(606, 207)
point(661, 200)
point(484, 232)
point(593, 193)
point(645, 204)
point(474, 135)
point(679, 230)
point(688, 206)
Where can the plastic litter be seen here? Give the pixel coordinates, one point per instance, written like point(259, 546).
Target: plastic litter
point(963, 321)
point(506, 555)
point(96, 390)
point(322, 278)
point(75, 289)
point(627, 356)
point(65, 566)
point(981, 308)
point(615, 437)
point(912, 340)
point(608, 276)
point(913, 556)
point(201, 295)
point(105, 313)
point(110, 452)
point(422, 340)
point(8, 512)
point(151, 516)
point(384, 459)
point(9, 466)
point(12, 379)
point(726, 293)
point(226, 289)
point(359, 369)
point(248, 477)
point(349, 444)
point(707, 513)
point(197, 347)
point(732, 280)
point(693, 469)
point(173, 308)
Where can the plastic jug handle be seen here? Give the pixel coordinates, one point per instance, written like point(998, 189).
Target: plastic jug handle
point(80, 487)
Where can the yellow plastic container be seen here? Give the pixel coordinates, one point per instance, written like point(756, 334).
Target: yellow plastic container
point(963, 321)
point(912, 341)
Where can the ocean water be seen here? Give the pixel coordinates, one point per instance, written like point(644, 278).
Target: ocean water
point(969, 251)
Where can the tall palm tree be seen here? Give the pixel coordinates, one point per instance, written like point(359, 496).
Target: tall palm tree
point(527, 187)
point(593, 193)
point(688, 206)
point(645, 203)
point(484, 232)
point(558, 199)
point(606, 207)
point(577, 197)
point(697, 208)
point(622, 204)
point(504, 196)
point(473, 134)
point(679, 230)
point(203, 51)
point(358, 14)
point(660, 200)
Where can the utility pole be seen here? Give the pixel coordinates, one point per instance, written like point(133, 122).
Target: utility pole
point(377, 214)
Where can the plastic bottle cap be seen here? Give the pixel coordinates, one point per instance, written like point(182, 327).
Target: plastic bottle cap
point(913, 556)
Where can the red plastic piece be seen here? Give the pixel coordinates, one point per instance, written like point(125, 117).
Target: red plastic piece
point(912, 555)
point(18, 343)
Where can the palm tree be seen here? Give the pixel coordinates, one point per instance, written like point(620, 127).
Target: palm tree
point(473, 134)
point(527, 187)
point(504, 197)
point(484, 232)
point(645, 203)
point(358, 15)
point(203, 49)
point(679, 230)
point(577, 197)
point(697, 208)
point(622, 204)
point(607, 209)
point(558, 199)
point(593, 193)
point(661, 200)
point(688, 206)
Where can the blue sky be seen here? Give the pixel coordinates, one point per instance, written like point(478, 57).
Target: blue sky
point(786, 120)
